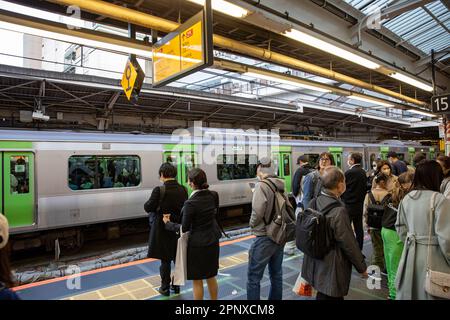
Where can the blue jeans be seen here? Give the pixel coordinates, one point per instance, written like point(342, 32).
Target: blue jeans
point(265, 252)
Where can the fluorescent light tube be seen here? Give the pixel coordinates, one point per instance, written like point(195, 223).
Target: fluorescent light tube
point(285, 81)
point(330, 48)
point(370, 100)
point(225, 7)
point(407, 79)
point(74, 39)
point(423, 113)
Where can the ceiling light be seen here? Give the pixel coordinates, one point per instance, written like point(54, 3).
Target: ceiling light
point(328, 47)
point(407, 79)
point(75, 39)
point(370, 100)
point(285, 81)
point(225, 7)
point(423, 113)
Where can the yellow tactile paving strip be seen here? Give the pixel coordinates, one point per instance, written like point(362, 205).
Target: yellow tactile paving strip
point(146, 288)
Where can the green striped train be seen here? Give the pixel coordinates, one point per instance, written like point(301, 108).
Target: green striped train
point(73, 186)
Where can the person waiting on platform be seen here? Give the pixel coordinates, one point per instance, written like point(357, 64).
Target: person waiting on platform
point(199, 218)
point(444, 161)
point(331, 275)
point(392, 181)
point(375, 204)
point(392, 244)
point(424, 231)
point(166, 199)
point(418, 157)
point(6, 280)
point(263, 250)
point(398, 166)
point(312, 183)
point(353, 197)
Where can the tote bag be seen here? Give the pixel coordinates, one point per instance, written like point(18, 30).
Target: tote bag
point(180, 272)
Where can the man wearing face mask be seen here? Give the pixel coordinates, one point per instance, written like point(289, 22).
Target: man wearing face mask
point(354, 196)
point(167, 199)
point(331, 275)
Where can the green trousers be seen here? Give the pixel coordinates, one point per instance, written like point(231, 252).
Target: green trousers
point(393, 248)
point(377, 244)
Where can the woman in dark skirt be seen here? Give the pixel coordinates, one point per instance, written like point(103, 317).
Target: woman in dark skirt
point(199, 218)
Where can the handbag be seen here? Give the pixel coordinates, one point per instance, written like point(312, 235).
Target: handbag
point(180, 273)
point(437, 283)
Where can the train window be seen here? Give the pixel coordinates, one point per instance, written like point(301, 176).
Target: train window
point(99, 172)
point(287, 164)
point(275, 164)
point(19, 175)
point(234, 167)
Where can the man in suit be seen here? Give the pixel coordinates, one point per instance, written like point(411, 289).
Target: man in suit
point(353, 197)
point(167, 199)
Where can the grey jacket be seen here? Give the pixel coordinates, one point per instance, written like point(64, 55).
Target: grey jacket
point(331, 275)
point(412, 226)
point(262, 205)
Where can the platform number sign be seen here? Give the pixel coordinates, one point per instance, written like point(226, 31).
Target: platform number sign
point(441, 104)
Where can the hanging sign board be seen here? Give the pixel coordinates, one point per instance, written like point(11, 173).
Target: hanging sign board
point(132, 79)
point(184, 51)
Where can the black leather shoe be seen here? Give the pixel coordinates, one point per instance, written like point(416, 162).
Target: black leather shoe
point(175, 289)
point(164, 292)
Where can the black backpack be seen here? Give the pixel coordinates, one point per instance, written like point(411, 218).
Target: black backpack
point(376, 210)
point(312, 233)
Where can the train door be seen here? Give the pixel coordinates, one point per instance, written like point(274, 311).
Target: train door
point(432, 155)
point(184, 161)
point(411, 152)
point(282, 162)
point(336, 152)
point(383, 152)
point(17, 188)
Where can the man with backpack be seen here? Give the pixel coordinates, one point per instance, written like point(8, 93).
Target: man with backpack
point(273, 223)
point(325, 236)
point(300, 173)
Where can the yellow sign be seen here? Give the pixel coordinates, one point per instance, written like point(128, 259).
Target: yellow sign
point(191, 47)
point(166, 59)
point(128, 79)
point(182, 50)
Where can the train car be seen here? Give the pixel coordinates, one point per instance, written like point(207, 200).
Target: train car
point(58, 185)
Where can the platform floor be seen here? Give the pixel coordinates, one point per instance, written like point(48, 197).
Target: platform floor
point(140, 280)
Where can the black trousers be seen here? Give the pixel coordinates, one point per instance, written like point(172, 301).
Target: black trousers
point(164, 271)
point(355, 212)
point(322, 296)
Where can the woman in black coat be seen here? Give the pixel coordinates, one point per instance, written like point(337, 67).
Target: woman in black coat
point(166, 199)
point(199, 218)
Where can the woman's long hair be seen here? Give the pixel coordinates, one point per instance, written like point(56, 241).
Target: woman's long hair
point(428, 176)
point(446, 164)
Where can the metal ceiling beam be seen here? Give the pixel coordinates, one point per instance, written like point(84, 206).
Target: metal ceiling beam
point(439, 22)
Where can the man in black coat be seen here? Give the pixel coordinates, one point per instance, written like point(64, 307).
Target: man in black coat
point(356, 183)
point(166, 199)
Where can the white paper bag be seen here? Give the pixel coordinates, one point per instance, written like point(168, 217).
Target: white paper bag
point(180, 272)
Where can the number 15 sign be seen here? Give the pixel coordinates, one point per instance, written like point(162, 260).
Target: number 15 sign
point(441, 104)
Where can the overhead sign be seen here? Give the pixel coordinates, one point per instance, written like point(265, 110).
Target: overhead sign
point(132, 79)
point(184, 51)
point(441, 104)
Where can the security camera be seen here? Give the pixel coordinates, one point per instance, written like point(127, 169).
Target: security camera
point(38, 115)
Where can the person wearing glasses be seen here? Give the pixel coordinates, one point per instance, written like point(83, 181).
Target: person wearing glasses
point(312, 183)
